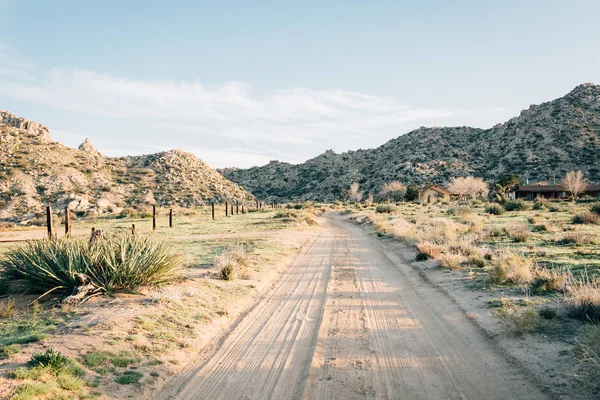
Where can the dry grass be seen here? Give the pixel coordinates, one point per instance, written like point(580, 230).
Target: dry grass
point(583, 297)
point(517, 321)
point(231, 262)
point(428, 251)
point(451, 261)
point(511, 267)
point(576, 238)
point(587, 355)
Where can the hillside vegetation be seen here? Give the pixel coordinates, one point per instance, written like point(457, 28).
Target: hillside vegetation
point(544, 141)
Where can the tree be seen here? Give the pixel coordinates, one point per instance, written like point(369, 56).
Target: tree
point(575, 183)
point(505, 181)
point(369, 200)
point(393, 191)
point(355, 193)
point(458, 186)
point(469, 186)
point(412, 193)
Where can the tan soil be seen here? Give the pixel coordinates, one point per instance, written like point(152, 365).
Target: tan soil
point(350, 319)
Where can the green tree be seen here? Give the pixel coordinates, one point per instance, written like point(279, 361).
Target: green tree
point(412, 193)
point(504, 182)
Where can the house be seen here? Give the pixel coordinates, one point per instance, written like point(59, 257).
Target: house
point(433, 193)
point(557, 191)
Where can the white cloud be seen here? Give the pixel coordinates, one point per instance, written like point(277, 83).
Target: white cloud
point(213, 120)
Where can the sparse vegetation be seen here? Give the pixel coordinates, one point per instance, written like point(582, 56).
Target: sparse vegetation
point(495, 209)
point(230, 262)
point(119, 262)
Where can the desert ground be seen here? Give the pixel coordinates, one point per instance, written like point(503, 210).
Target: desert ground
point(335, 301)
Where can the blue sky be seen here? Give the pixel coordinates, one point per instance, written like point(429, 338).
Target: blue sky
point(241, 83)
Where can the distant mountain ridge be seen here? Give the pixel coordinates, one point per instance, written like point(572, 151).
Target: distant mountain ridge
point(35, 171)
point(543, 142)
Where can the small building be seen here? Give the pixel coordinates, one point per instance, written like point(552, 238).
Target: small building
point(434, 193)
point(558, 191)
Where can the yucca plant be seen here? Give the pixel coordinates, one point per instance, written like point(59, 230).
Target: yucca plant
point(114, 263)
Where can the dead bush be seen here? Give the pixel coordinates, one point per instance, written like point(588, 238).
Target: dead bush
point(510, 267)
point(583, 297)
point(428, 251)
point(231, 261)
point(451, 261)
point(587, 217)
point(576, 238)
point(549, 281)
point(519, 233)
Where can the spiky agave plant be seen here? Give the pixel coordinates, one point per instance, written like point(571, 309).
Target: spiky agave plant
point(114, 263)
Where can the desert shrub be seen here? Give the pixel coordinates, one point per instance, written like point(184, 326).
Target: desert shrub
point(51, 359)
point(552, 208)
point(575, 238)
point(385, 208)
point(595, 208)
point(231, 261)
point(549, 281)
point(428, 251)
point(519, 233)
point(285, 214)
point(8, 308)
point(516, 205)
point(9, 350)
point(451, 261)
point(462, 245)
point(129, 377)
point(460, 210)
point(510, 267)
point(583, 298)
point(587, 356)
point(495, 209)
point(541, 228)
point(298, 206)
point(586, 218)
point(129, 213)
point(309, 220)
point(517, 321)
point(113, 263)
point(540, 205)
point(547, 312)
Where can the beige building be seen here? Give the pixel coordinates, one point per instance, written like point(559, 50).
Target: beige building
point(433, 193)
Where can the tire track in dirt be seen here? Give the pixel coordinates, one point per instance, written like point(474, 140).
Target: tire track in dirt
point(350, 320)
point(268, 353)
point(423, 346)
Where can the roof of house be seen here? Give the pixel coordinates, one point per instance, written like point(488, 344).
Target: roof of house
point(438, 189)
point(552, 188)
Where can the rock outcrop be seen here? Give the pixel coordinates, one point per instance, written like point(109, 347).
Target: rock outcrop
point(32, 127)
point(543, 142)
point(35, 171)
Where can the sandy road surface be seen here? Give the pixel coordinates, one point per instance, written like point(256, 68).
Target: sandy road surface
point(351, 320)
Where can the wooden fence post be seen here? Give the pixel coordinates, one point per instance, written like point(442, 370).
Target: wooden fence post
point(243, 209)
point(153, 218)
point(213, 209)
point(232, 208)
point(226, 209)
point(49, 221)
point(170, 218)
point(67, 221)
point(237, 206)
point(133, 229)
point(257, 204)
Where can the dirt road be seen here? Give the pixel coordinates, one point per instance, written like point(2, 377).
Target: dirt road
point(351, 320)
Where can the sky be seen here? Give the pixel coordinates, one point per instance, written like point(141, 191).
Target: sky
point(240, 83)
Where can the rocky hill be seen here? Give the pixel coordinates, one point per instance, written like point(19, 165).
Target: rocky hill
point(544, 141)
point(35, 171)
